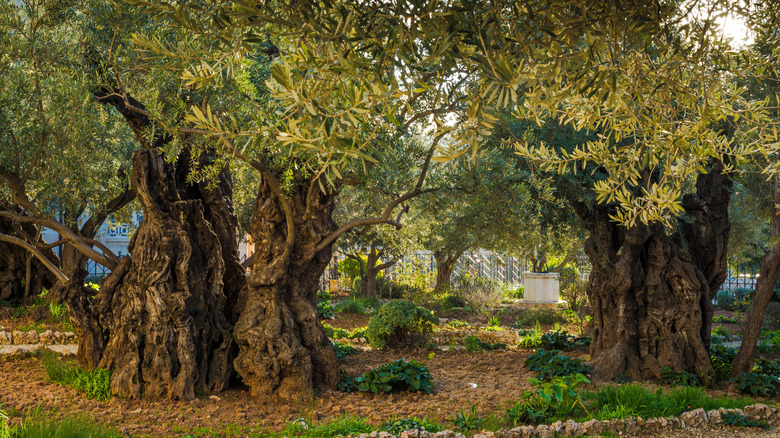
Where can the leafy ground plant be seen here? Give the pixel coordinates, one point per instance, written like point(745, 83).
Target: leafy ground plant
point(764, 379)
point(346, 425)
point(679, 378)
point(344, 350)
point(398, 375)
point(474, 344)
point(396, 426)
point(551, 363)
point(466, 421)
point(94, 383)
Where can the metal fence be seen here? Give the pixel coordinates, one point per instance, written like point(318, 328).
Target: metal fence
point(484, 264)
point(741, 277)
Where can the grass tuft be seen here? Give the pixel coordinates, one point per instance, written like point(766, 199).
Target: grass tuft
point(636, 400)
point(94, 383)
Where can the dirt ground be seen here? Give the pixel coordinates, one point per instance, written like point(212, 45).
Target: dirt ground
point(500, 379)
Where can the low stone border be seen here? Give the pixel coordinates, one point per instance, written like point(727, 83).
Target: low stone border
point(694, 419)
point(22, 350)
point(32, 337)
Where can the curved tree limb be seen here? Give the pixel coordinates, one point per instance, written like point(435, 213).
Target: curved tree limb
point(46, 262)
point(80, 244)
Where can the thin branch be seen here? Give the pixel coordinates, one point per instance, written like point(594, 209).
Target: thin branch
point(67, 234)
point(110, 254)
point(46, 262)
point(384, 218)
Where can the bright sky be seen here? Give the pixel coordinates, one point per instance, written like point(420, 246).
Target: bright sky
point(735, 29)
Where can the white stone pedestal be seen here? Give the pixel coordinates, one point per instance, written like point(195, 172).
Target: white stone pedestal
point(541, 288)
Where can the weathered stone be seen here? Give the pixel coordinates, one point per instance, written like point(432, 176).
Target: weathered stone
point(757, 411)
point(69, 337)
point(557, 427)
point(58, 338)
point(385, 435)
point(640, 422)
point(544, 431)
point(45, 337)
point(674, 422)
point(616, 427)
point(652, 424)
point(6, 338)
point(572, 428)
point(696, 418)
point(18, 337)
point(592, 427)
point(631, 426)
point(713, 417)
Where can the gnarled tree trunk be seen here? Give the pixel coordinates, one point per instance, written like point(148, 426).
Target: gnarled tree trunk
point(283, 349)
point(445, 266)
point(162, 309)
point(651, 292)
point(22, 276)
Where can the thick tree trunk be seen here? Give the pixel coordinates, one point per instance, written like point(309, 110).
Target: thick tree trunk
point(767, 277)
point(20, 281)
point(368, 282)
point(162, 310)
point(651, 292)
point(445, 266)
point(283, 349)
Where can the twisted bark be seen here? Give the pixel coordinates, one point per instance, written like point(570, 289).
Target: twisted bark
point(283, 349)
point(651, 292)
point(162, 310)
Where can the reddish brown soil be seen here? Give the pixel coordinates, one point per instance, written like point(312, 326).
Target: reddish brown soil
point(500, 378)
point(38, 316)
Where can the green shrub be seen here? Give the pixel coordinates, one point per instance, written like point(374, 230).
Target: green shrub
point(399, 323)
point(324, 308)
point(466, 421)
point(764, 379)
point(722, 358)
point(386, 288)
point(478, 292)
point(349, 268)
point(457, 323)
point(398, 375)
point(757, 383)
point(734, 419)
point(724, 320)
point(679, 378)
point(735, 299)
point(339, 333)
point(530, 317)
point(549, 364)
point(397, 427)
point(351, 306)
point(94, 383)
point(474, 344)
point(721, 331)
point(559, 393)
point(344, 350)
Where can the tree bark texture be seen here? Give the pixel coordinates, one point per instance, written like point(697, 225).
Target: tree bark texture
point(162, 309)
point(22, 277)
point(445, 266)
point(651, 292)
point(283, 349)
point(754, 319)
